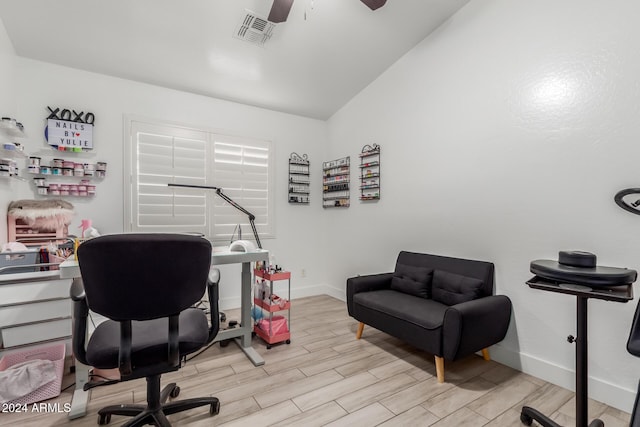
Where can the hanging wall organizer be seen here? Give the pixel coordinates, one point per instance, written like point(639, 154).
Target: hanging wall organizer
point(335, 183)
point(298, 179)
point(370, 172)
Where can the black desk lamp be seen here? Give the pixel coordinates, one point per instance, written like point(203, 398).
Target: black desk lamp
point(226, 198)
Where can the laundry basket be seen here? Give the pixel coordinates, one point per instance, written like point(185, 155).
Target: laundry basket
point(55, 353)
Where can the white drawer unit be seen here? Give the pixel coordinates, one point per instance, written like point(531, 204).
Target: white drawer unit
point(36, 332)
point(30, 291)
point(38, 311)
point(34, 307)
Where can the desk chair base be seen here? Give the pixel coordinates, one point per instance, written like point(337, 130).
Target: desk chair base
point(156, 410)
point(529, 414)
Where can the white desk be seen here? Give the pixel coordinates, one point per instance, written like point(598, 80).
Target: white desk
point(242, 335)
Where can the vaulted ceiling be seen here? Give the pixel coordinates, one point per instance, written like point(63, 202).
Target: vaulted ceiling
point(311, 65)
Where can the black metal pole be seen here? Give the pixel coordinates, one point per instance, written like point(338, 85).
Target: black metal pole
point(582, 370)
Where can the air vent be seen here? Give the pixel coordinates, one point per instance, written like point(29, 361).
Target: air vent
point(254, 29)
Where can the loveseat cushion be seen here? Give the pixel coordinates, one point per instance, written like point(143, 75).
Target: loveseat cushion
point(422, 312)
point(451, 289)
point(412, 280)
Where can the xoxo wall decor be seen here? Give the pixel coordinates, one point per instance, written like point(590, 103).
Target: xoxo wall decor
point(66, 133)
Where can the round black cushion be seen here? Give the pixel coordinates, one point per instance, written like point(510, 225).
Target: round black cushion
point(577, 258)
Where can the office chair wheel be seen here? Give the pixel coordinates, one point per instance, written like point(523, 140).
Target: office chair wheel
point(214, 409)
point(175, 392)
point(104, 419)
point(526, 419)
point(223, 317)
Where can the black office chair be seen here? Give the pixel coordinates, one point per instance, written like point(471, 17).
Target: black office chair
point(633, 347)
point(145, 285)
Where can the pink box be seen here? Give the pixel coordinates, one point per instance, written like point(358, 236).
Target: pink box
point(278, 325)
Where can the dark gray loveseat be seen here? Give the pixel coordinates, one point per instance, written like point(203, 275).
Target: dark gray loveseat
point(442, 305)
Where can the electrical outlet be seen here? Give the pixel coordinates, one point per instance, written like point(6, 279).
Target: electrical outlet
point(303, 273)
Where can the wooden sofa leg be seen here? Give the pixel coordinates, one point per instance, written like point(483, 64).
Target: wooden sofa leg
point(360, 329)
point(485, 354)
point(440, 369)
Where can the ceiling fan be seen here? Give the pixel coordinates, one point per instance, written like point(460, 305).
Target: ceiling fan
point(280, 9)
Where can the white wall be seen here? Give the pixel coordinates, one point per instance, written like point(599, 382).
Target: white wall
point(505, 135)
point(41, 85)
point(7, 109)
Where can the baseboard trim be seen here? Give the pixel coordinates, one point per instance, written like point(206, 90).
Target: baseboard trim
point(600, 390)
point(335, 292)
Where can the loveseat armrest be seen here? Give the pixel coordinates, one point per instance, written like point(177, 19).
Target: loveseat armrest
point(474, 325)
point(371, 282)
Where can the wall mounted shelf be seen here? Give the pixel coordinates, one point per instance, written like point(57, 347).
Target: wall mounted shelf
point(10, 151)
point(335, 183)
point(11, 128)
point(298, 179)
point(370, 173)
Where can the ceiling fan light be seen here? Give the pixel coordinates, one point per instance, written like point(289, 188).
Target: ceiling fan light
point(374, 4)
point(280, 11)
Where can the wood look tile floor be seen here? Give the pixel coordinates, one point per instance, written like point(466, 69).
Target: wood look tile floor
point(327, 377)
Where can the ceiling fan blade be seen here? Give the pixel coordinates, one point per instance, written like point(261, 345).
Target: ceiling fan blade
point(374, 4)
point(280, 11)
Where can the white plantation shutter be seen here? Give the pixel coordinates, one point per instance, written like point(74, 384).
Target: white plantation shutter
point(159, 154)
point(241, 169)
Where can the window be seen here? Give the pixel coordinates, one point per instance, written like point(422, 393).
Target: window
point(158, 154)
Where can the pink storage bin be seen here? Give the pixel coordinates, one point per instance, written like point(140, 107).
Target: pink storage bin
point(278, 325)
point(55, 353)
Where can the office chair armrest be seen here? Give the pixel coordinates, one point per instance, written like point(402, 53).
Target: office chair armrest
point(77, 290)
point(212, 291)
point(80, 315)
